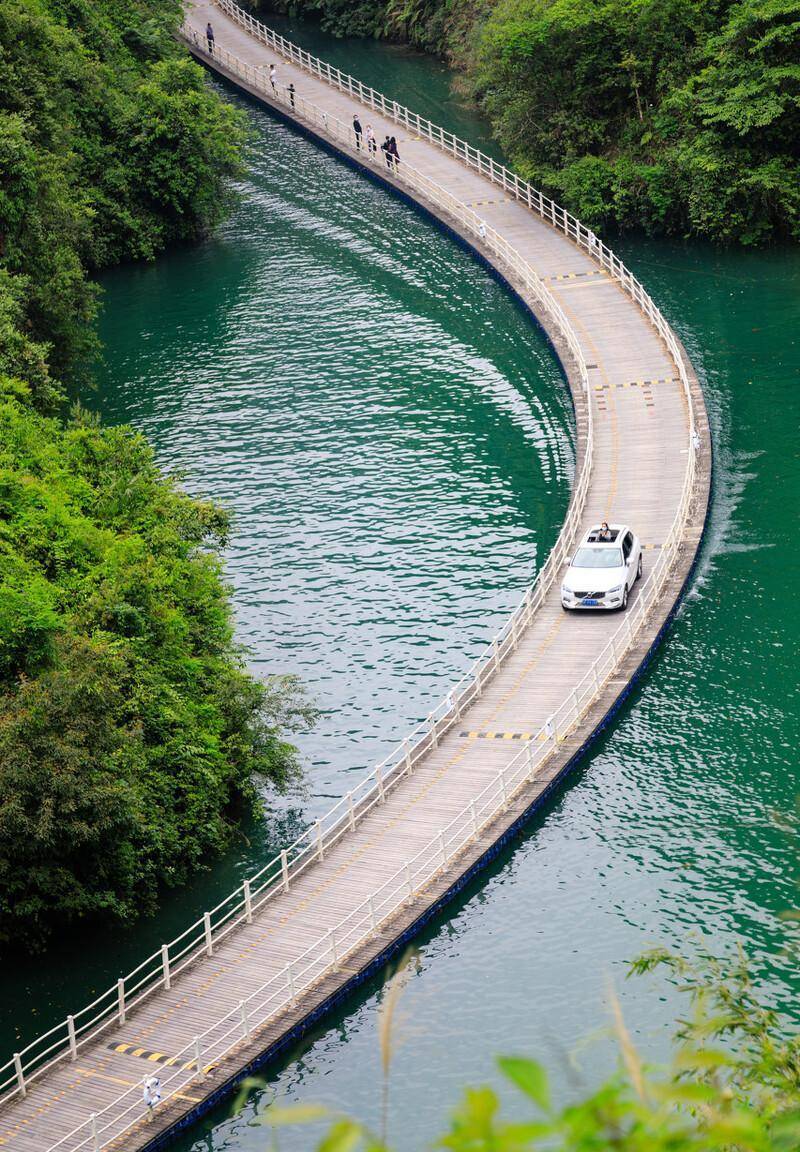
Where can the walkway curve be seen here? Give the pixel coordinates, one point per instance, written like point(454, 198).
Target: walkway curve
point(256, 971)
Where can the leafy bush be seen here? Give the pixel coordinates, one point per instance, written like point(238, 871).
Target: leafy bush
point(130, 734)
point(692, 106)
point(112, 146)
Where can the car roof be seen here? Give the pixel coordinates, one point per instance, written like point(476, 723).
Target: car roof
point(617, 532)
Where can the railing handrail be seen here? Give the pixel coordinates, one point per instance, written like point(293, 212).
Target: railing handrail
point(242, 904)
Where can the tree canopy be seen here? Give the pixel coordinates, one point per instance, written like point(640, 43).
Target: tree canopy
point(132, 737)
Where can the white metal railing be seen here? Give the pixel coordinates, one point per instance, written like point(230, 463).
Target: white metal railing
point(158, 971)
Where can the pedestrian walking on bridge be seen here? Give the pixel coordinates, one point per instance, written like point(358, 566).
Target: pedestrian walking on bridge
point(210, 38)
point(358, 131)
point(151, 1095)
point(273, 78)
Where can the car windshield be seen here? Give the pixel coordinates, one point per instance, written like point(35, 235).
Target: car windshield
point(597, 558)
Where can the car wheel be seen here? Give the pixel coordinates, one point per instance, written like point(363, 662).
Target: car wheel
point(639, 568)
point(624, 597)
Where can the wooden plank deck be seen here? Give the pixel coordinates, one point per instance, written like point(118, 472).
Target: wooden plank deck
point(639, 463)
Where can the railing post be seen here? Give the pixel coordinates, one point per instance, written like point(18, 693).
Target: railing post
point(503, 785)
point(373, 919)
point(20, 1077)
point(474, 816)
point(409, 767)
point(320, 852)
point(381, 790)
point(530, 759)
point(121, 1000)
point(93, 1125)
point(198, 1058)
point(496, 646)
point(408, 879)
point(285, 869)
point(434, 734)
point(351, 811)
point(442, 850)
point(290, 982)
point(73, 1044)
point(207, 930)
point(248, 901)
point(245, 1020)
point(334, 952)
point(165, 966)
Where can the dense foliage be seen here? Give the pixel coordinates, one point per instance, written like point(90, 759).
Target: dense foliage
point(131, 735)
point(111, 147)
point(672, 116)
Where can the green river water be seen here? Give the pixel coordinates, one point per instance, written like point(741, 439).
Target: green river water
point(393, 436)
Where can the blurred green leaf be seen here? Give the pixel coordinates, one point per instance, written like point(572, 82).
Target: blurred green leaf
point(529, 1077)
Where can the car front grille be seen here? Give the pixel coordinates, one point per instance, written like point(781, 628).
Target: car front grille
point(588, 595)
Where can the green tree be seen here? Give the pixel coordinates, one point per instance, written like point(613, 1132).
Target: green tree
point(122, 691)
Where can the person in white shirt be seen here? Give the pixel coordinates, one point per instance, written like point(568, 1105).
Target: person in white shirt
point(151, 1094)
point(372, 145)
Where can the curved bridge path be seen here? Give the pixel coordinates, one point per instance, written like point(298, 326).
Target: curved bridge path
point(256, 970)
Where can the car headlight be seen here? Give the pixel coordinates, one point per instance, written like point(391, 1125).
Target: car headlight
point(611, 591)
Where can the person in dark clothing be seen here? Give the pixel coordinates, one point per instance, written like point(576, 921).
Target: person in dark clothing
point(358, 131)
point(210, 38)
point(394, 153)
point(290, 90)
point(387, 151)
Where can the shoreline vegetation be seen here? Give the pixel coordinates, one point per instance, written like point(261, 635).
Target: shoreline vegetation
point(668, 117)
point(132, 737)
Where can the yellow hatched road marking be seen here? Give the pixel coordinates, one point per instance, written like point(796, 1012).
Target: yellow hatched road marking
point(497, 735)
point(575, 275)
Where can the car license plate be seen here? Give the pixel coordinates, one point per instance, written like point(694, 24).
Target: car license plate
point(590, 603)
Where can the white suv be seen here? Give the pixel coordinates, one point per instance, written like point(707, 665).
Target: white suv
point(603, 570)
